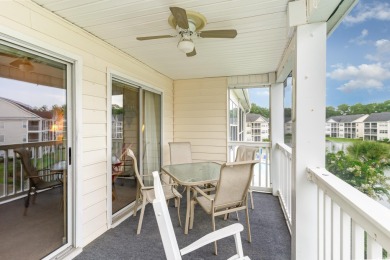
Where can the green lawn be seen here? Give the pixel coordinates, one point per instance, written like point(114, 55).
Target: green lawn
point(343, 140)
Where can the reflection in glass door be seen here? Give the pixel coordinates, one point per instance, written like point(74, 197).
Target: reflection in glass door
point(125, 134)
point(34, 97)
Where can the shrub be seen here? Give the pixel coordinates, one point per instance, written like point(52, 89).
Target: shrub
point(369, 150)
point(361, 171)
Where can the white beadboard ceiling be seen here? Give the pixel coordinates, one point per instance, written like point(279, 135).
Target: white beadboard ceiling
point(261, 25)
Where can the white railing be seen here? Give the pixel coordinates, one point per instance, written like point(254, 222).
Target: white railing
point(262, 175)
point(283, 168)
point(351, 225)
point(13, 181)
point(117, 147)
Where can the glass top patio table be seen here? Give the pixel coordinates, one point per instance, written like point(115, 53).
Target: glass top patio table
point(192, 174)
point(189, 174)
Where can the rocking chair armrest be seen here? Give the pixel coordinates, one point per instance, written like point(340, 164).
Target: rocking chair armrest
point(197, 189)
point(43, 175)
point(233, 229)
point(44, 169)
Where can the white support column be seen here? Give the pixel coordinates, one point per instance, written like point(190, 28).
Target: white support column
point(277, 131)
point(309, 76)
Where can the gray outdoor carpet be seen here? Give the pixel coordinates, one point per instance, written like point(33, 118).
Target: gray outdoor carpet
point(270, 236)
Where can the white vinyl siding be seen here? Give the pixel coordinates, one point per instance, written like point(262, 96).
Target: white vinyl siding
point(27, 18)
point(200, 109)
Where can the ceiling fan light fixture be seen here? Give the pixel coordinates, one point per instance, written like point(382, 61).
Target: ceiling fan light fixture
point(26, 67)
point(23, 64)
point(186, 45)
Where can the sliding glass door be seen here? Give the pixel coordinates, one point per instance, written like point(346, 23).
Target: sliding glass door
point(136, 124)
point(125, 101)
point(35, 109)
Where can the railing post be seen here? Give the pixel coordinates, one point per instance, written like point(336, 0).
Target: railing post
point(308, 142)
point(277, 132)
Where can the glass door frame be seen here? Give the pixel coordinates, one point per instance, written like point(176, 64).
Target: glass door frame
point(114, 75)
point(73, 64)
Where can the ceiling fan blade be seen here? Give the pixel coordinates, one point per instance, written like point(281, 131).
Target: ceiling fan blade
point(190, 54)
point(154, 37)
point(181, 17)
point(218, 34)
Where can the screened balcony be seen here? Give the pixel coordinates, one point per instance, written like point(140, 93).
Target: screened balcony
point(90, 44)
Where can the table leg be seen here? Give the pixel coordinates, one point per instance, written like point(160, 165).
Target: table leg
point(188, 209)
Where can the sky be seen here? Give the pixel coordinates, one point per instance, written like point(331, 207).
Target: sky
point(358, 58)
point(32, 94)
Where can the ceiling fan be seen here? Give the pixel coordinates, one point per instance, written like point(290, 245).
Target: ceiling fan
point(188, 25)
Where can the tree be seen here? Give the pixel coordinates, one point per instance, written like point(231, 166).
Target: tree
point(43, 108)
point(287, 114)
point(255, 109)
point(331, 111)
point(343, 109)
point(117, 110)
point(358, 109)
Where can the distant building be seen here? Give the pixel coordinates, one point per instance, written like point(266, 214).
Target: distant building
point(348, 126)
point(257, 128)
point(19, 123)
point(377, 126)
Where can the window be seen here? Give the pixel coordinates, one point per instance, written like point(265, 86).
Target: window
point(1, 124)
point(2, 139)
point(287, 104)
point(236, 121)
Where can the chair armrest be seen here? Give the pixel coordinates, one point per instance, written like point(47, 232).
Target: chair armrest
point(152, 187)
point(197, 189)
point(242, 162)
point(147, 188)
point(233, 229)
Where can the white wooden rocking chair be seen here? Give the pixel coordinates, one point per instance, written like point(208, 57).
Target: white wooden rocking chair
point(172, 251)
